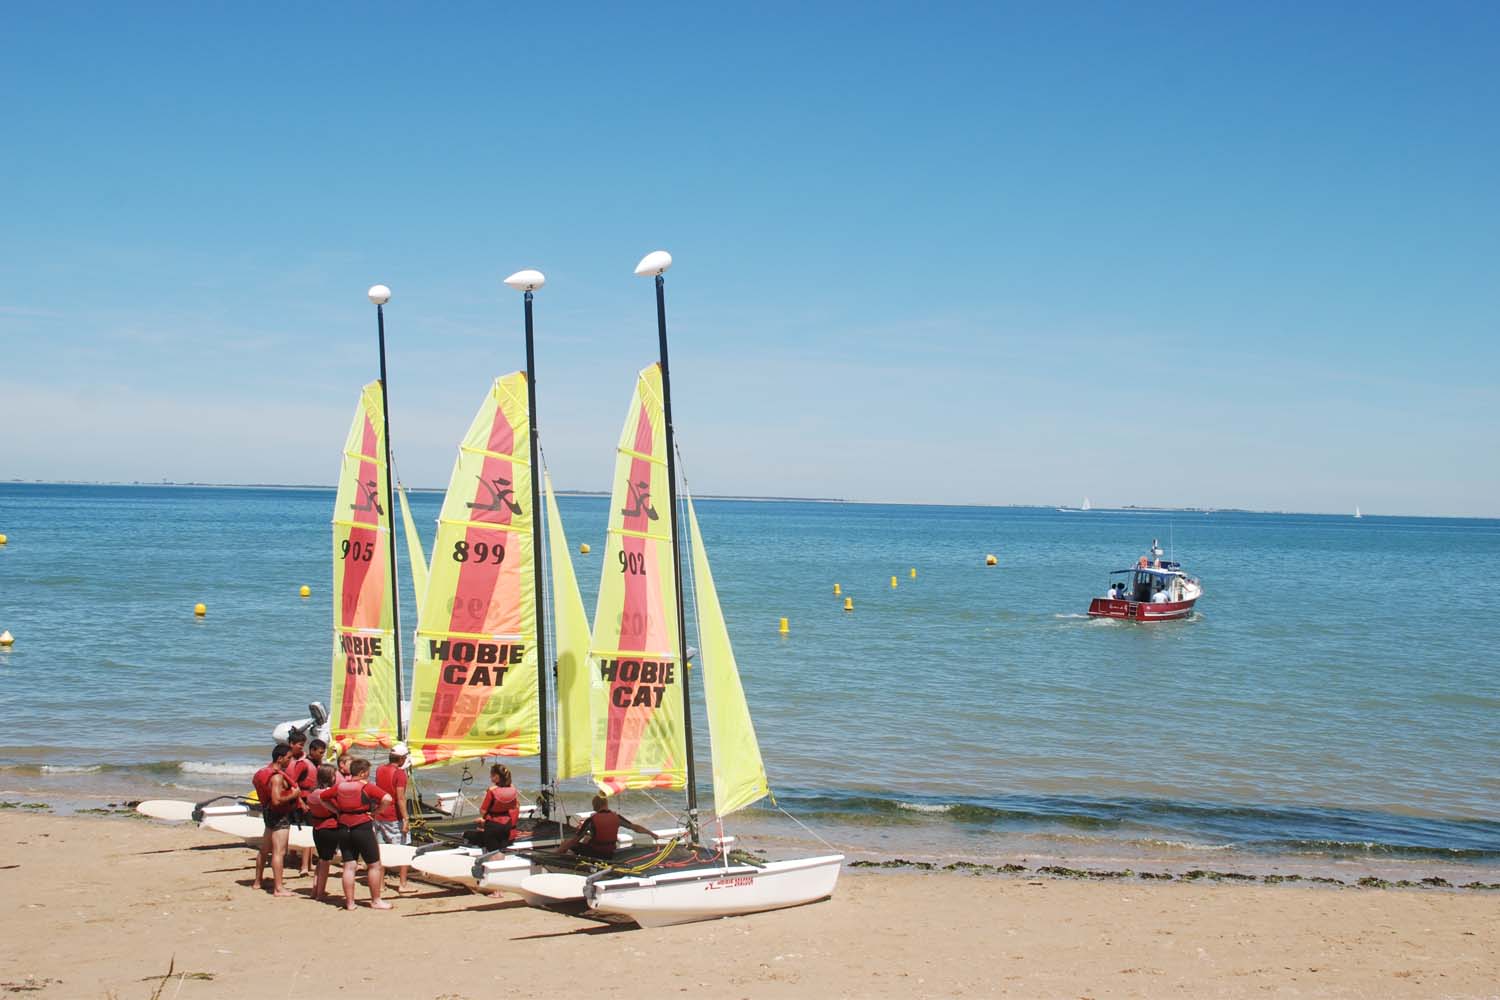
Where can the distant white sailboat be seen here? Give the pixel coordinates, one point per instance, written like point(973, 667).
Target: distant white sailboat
point(1074, 510)
point(1356, 511)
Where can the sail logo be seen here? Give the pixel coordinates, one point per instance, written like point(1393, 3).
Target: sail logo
point(370, 498)
point(360, 653)
point(501, 496)
point(640, 499)
point(637, 682)
point(481, 664)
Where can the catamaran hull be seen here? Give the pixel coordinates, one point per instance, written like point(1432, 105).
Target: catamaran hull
point(708, 894)
point(1140, 611)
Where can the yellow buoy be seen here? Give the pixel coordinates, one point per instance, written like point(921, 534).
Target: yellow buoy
point(584, 548)
point(306, 591)
point(848, 604)
point(200, 610)
point(893, 583)
point(914, 572)
point(7, 639)
point(990, 560)
point(784, 629)
point(3, 539)
point(837, 590)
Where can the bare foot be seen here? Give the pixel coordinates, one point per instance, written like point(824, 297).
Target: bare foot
point(349, 906)
point(381, 905)
point(281, 893)
point(255, 885)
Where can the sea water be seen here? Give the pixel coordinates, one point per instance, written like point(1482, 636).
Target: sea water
point(1335, 696)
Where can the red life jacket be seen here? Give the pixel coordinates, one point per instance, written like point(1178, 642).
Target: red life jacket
point(324, 816)
point(606, 834)
point(351, 802)
point(261, 782)
point(502, 805)
point(302, 774)
point(387, 776)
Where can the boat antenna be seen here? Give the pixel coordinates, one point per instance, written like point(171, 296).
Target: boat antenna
point(654, 265)
point(380, 295)
point(529, 281)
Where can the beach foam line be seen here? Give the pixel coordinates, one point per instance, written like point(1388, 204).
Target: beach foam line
point(229, 768)
point(70, 768)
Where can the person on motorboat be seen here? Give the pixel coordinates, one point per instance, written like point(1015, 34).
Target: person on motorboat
point(1160, 596)
point(599, 834)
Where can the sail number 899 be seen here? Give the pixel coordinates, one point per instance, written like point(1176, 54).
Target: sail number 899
point(479, 552)
point(633, 563)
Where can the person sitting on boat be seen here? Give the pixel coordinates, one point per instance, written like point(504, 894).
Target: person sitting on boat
point(1160, 596)
point(597, 837)
point(1116, 592)
point(278, 798)
point(325, 821)
point(391, 823)
point(351, 799)
point(498, 813)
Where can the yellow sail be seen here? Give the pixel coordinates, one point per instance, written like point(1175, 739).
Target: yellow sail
point(364, 675)
point(414, 552)
point(635, 665)
point(474, 686)
point(739, 774)
point(572, 627)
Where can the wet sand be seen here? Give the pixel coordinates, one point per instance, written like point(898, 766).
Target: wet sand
point(95, 907)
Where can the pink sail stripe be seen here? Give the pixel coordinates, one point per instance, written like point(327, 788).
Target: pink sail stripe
point(487, 598)
point(363, 597)
point(642, 613)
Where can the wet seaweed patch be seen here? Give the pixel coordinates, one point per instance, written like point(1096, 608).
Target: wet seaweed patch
point(1213, 876)
point(25, 805)
point(1481, 885)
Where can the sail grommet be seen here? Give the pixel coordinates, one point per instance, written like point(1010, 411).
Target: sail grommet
point(306, 591)
point(848, 604)
point(990, 560)
point(200, 609)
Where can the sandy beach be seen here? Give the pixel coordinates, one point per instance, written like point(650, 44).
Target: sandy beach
point(96, 907)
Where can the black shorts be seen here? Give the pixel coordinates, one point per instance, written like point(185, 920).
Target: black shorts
point(359, 842)
point(277, 821)
point(326, 842)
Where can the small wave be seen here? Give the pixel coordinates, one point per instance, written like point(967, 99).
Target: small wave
point(1184, 845)
point(925, 807)
point(70, 768)
point(216, 767)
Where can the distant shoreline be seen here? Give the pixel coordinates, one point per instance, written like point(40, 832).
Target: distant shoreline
point(1125, 509)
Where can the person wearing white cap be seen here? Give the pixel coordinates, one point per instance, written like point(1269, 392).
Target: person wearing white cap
point(392, 825)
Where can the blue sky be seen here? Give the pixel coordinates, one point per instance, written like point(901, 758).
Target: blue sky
point(1146, 253)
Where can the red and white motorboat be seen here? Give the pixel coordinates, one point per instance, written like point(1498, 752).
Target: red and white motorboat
point(1154, 590)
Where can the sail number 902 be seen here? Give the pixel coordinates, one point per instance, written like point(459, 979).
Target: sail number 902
point(633, 563)
point(479, 552)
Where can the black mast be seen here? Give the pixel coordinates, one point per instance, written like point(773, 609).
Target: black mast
point(687, 701)
point(380, 295)
point(543, 665)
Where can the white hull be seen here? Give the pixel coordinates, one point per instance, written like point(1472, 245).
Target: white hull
point(707, 894)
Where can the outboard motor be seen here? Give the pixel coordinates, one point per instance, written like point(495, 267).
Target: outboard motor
point(315, 726)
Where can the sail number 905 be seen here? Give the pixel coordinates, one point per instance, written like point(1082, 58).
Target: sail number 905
point(633, 563)
point(479, 552)
point(358, 551)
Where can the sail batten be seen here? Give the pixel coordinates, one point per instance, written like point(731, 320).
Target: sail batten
point(364, 692)
point(474, 687)
point(634, 661)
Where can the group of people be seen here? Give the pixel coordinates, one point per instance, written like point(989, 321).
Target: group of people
point(349, 813)
point(1158, 591)
point(353, 813)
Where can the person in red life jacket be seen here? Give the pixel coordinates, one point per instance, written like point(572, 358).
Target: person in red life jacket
point(597, 837)
point(278, 798)
point(325, 821)
point(499, 812)
point(351, 798)
point(343, 766)
point(303, 774)
point(308, 785)
point(391, 824)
